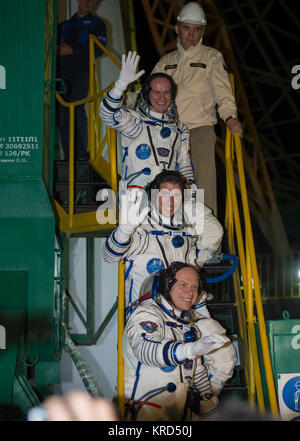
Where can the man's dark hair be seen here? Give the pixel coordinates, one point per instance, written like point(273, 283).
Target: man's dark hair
point(172, 176)
point(167, 279)
point(147, 85)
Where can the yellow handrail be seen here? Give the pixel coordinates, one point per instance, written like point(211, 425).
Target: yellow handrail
point(257, 292)
point(106, 51)
point(248, 267)
point(71, 165)
point(112, 141)
point(91, 131)
point(133, 44)
point(95, 123)
point(121, 323)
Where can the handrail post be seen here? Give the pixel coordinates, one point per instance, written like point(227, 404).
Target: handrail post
point(91, 131)
point(121, 325)
point(252, 338)
point(249, 272)
point(71, 164)
point(106, 51)
point(113, 160)
point(259, 307)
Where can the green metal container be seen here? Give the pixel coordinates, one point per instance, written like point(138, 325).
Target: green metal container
point(29, 301)
point(284, 338)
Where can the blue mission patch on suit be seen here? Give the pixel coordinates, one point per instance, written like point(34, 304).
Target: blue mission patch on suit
point(163, 152)
point(149, 326)
point(155, 264)
point(167, 368)
point(177, 241)
point(143, 151)
point(165, 132)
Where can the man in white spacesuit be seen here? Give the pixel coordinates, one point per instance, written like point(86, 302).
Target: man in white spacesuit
point(165, 235)
point(152, 137)
point(176, 363)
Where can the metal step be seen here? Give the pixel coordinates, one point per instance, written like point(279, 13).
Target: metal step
point(237, 384)
point(217, 268)
point(86, 186)
point(81, 208)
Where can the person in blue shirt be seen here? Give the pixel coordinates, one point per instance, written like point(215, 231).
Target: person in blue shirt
point(73, 68)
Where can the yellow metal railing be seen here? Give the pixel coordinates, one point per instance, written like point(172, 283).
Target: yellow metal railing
point(121, 324)
point(279, 277)
point(95, 145)
point(71, 222)
point(249, 276)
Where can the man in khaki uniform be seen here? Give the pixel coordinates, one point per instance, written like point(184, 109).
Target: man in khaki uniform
point(203, 83)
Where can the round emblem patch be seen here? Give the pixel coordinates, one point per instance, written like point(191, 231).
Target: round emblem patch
point(163, 152)
point(188, 364)
point(165, 132)
point(143, 151)
point(167, 368)
point(149, 326)
point(177, 241)
point(155, 264)
point(146, 171)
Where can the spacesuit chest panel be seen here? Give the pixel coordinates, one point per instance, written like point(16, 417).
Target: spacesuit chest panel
point(144, 158)
point(172, 248)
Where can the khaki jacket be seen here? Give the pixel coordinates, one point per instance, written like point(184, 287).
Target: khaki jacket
point(203, 83)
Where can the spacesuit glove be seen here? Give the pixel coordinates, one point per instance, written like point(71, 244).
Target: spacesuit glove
point(194, 214)
point(203, 346)
point(131, 213)
point(191, 192)
point(204, 256)
point(128, 74)
point(216, 385)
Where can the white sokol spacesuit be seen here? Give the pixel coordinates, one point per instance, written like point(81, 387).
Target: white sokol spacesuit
point(155, 244)
point(151, 141)
point(155, 373)
point(146, 150)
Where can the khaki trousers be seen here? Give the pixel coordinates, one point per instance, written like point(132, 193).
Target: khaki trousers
point(203, 140)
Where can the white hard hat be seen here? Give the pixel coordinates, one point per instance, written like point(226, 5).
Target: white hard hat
point(192, 13)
